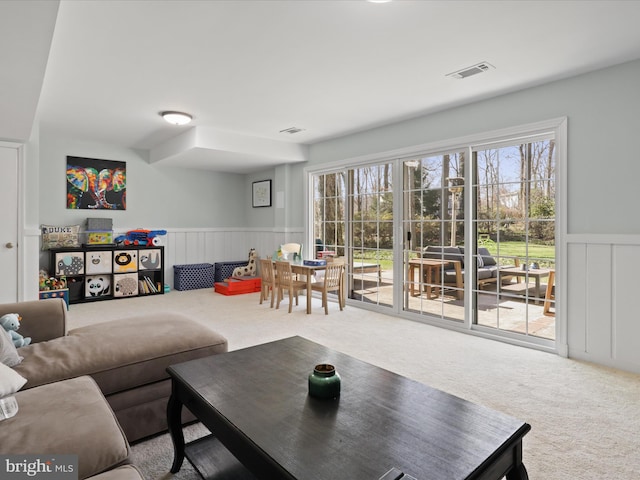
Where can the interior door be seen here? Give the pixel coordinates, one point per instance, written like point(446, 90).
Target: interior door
point(9, 222)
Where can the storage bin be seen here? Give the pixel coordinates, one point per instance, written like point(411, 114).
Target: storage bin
point(99, 224)
point(224, 270)
point(193, 276)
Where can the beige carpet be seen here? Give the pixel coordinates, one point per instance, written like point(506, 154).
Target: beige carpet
point(585, 419)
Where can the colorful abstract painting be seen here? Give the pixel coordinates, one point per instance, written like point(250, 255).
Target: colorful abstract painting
point(96, 184)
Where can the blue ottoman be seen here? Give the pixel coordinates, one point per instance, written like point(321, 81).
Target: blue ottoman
point(224, 270)
point(193, 276)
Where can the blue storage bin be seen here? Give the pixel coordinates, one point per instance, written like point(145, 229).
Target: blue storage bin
point(224, 270)
point(193, 276)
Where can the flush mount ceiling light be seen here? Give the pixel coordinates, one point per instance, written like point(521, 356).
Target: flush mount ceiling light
point(176, 118)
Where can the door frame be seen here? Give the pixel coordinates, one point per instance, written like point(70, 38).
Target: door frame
point(19, 227)
point(559, 127)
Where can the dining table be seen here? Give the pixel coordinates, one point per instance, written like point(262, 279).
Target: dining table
point(298, 267)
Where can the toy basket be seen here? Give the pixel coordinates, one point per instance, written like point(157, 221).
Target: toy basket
point(193, 276)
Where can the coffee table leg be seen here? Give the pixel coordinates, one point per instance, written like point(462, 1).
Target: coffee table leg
point(174, 416)
point(518, 473)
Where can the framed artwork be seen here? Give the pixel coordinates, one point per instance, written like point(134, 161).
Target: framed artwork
point(262, 193)
point(94, 184)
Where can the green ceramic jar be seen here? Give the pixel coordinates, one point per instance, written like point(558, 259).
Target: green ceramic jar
point(324, 381)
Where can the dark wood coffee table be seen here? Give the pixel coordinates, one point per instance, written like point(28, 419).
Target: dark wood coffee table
point(266, 426)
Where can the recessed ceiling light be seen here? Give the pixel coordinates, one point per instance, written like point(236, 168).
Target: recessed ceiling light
point(378, 1)
point(176, 118)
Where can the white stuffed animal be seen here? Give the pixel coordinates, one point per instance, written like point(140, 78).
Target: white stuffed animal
point(248, 270)
point(11, 323)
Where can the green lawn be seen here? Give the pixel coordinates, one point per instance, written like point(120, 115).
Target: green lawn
point(544, 254)
point(520, 250)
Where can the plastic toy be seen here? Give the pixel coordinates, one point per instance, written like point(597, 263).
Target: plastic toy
point(141, 236)
point(249, 270)
point(11, 322)
point(51, 283)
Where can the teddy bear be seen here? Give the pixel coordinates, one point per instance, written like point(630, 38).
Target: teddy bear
point(11, 323)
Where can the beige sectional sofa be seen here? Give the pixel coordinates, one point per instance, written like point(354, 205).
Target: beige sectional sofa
point(94, 389)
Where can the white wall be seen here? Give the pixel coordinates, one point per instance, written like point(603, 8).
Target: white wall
point(157, 196)
point(210, 218)
point(603, 124)
point(602, 244)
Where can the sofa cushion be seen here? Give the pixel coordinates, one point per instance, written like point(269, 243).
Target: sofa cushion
point(443, 253)
point(120, 354)
point(487, 259)
point(125, 472)
point(481, 274)
point(8, 352)
point(70, 417)
point(10, 380)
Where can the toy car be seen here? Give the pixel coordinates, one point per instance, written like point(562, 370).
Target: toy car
point(140, 236)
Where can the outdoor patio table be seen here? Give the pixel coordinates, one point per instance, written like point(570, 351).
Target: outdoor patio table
point(431, 267)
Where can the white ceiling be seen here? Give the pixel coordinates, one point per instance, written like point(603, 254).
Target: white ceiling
point(247, 69)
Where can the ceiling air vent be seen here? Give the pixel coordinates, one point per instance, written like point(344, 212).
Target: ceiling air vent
point(292, 130)
point(469, 71)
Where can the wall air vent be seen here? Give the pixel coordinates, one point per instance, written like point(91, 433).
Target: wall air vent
point(292, 130)
point(470, 71)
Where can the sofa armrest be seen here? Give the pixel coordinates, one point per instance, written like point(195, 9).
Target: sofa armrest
point(41, 319)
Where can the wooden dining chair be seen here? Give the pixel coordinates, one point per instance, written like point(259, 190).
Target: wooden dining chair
point(268, 280)
point(286, 281)
point(333, 281)
point(291, 248)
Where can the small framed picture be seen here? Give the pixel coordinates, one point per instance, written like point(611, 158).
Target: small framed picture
point(262, 193)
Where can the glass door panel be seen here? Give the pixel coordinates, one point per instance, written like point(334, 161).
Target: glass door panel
point(514, 229)
point(434, 224)
point(353, 220)
point(370, 223)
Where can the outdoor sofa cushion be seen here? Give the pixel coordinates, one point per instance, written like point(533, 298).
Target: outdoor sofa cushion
point(487, 265)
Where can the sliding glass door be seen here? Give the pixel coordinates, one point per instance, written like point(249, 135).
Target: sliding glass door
point(464, 236)
point(434, 222)
point(514, 223)
point(353, 221)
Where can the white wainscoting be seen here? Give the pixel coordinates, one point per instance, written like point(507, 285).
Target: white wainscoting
point(211, 245)
point(603, 299)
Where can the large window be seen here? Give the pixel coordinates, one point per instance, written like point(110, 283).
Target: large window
point(464, 236)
